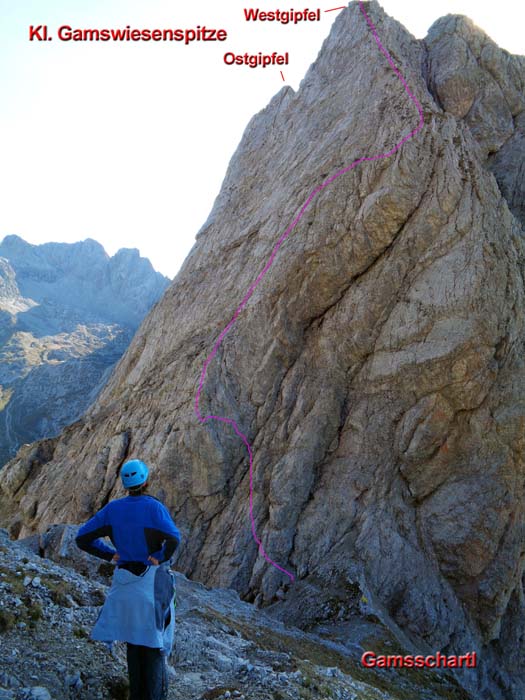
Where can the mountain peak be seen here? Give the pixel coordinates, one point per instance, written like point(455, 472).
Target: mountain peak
point(374, 368)
point(13, 241)
point(128, 252)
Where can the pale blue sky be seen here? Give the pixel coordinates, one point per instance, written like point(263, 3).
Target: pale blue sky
point(128, 143)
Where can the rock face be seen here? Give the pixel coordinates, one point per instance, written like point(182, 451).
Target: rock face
point(67, 313)
point(377, 371)
point(474, 80)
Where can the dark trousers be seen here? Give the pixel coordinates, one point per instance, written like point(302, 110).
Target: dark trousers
point(148, 677)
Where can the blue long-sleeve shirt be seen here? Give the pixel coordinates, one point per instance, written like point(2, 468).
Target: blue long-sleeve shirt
point(138, 527)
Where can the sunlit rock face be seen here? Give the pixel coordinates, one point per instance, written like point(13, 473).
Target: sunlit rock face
point(377, 370)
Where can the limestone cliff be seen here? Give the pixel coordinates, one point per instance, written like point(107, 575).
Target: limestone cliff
point(377, 371)
point(67, 314)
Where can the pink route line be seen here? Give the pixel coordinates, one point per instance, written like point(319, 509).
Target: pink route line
point(265, 269)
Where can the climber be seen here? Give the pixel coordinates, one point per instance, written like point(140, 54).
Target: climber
point(140, 606)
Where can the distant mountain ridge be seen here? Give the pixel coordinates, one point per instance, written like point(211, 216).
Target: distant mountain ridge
point(118, 289)
point(67, 313)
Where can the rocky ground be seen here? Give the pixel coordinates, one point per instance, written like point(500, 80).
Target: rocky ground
point(224, 648)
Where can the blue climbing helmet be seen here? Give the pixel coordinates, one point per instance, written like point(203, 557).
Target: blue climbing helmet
point(134, 473)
